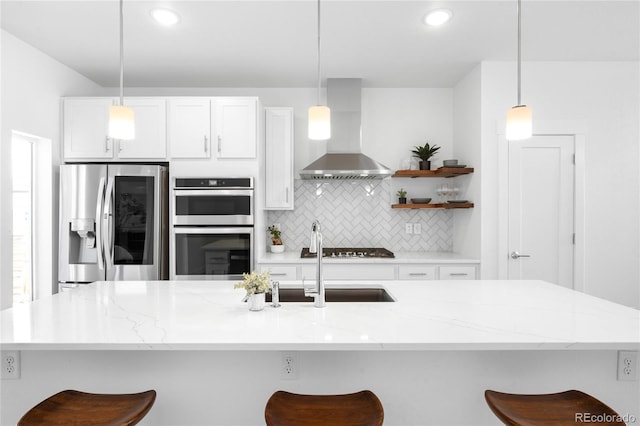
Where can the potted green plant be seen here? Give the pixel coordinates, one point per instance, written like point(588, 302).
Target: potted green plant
point(256, 285)
point(276, 239)
point(402, 196)
point(424, 153)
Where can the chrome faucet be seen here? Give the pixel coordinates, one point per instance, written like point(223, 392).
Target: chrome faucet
point(315, 246)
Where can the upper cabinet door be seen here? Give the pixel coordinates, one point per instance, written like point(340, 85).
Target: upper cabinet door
point(189, 128)
point(279, 180)
point(235, 124)
point(85, 129)
point(151, 134)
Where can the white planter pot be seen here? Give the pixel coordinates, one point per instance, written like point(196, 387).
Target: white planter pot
point(277, 249)
point(256, 302)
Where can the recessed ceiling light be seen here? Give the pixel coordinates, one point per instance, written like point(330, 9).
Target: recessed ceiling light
point(165, 16)
point(438, 17)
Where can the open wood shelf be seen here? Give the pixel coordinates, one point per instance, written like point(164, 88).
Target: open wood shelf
point(446, 172)
point(433, 206)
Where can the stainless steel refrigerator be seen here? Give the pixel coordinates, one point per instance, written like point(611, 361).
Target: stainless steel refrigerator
point(113, 223)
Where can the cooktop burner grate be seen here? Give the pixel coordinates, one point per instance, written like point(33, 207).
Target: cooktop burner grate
point(349, 252)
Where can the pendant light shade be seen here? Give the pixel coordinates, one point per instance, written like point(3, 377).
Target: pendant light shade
point(319, 123)
point(519, 117)
point(121, 123)
point(121, 118)
point(319, 115)
point(519, 123)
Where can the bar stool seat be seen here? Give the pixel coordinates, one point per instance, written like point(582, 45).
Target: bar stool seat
point(355, 409)
point(559, 409)
point(71, 407)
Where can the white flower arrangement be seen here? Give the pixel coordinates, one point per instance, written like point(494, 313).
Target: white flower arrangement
point(255, 283)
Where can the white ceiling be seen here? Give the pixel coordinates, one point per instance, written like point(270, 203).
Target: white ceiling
point(273, 43)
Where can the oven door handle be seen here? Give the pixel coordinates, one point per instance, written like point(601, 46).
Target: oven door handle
point(213, 230)
point(212, 192)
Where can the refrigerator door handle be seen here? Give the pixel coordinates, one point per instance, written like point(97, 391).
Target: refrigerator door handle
point(107, 221)
point(99, 208)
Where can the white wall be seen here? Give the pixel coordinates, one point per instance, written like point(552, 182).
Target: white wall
point(32, 84)
point(606, 96)
point(232, 388)
point(467, 127)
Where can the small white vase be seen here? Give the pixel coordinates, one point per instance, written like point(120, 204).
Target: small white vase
point(256, 302)
point(277, 249)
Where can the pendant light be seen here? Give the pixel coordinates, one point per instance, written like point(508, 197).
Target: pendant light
point(319, 115)
point(121, 118)
point(519, 117)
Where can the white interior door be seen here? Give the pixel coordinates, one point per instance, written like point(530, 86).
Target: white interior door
point(541, 209)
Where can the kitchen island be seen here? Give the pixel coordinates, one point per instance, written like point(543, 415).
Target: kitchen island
point(445, 341)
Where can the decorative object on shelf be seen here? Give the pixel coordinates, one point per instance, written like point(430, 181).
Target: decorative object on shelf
point(424, 153)
point(449, 163)
point(402, 196)
point(421, 200)
point(256, 285)
point(121, 118)
point(276, 239)
point(519, 117)
point(319, 115)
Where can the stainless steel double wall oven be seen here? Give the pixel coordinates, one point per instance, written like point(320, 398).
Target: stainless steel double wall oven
point(212, 235)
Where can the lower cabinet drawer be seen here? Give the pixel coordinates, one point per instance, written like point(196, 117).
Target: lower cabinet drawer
point(280, 272)
point(350, 272)
point(457, 272)
point(416, 272)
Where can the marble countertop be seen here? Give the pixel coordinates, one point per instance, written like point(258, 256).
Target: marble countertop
point(428, 315)
point(423, 257)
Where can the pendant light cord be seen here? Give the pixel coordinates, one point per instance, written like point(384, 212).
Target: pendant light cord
point(519, 49)
point(121, 54)
point(319, 84)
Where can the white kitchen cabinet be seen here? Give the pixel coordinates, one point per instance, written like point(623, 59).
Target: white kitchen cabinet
point(288, 273)
point(189, 129)
point(151, 130)
point(350, 272)
point(457, 272)
point(235, 127)
point(279, 180)
point(85, 129)
point(416, 272)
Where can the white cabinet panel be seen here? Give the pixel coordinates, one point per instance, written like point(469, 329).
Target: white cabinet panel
point(351, 272)
point(189, 129)
point(85, 128)
point(416, 272)
point(288, 273)
point(234, 121)
point(151, 130)
point(457, 272)
point(279, 144)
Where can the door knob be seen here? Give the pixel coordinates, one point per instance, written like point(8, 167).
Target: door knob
point(516, 255)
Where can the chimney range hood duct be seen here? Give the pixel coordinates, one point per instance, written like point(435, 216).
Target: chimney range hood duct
point(344, 159)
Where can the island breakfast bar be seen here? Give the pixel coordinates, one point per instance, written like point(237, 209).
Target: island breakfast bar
point(429, 355)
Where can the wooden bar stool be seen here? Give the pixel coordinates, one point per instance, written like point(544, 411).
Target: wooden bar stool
point(355, 409)
point(559, 409)
point(71, 407)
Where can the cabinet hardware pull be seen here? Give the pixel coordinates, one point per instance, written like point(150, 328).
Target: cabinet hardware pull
point(219, 144)
point(286, 196)
point(106, 144)
point(417, 274)
point(461, 274)
point(516, 255)
point(205, 144)
point(120, 146)
point(278, 274)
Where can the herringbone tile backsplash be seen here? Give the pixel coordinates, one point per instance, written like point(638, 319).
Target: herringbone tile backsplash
point(359, 214)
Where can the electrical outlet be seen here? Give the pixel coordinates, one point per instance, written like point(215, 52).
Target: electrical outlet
point(417, 228)
point(408, 228)
point(10, 365)
point(289, 368)
point(627, 365)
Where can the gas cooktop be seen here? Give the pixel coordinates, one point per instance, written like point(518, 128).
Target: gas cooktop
point(349, 252)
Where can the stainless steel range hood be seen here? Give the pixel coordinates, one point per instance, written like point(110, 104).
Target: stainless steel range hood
point(344, 159)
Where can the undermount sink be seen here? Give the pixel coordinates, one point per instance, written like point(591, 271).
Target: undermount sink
point(338, 294)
